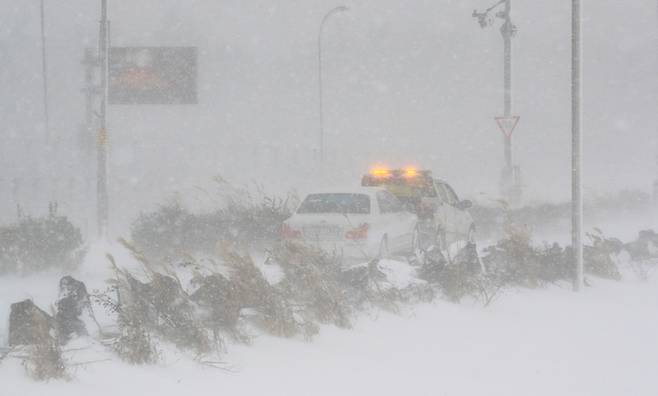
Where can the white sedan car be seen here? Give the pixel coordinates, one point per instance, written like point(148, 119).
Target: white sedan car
point(362, 223)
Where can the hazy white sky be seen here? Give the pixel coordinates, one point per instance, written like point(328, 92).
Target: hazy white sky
point(413, 81)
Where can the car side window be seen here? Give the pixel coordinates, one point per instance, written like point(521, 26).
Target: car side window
point(388, 203)
point(442, 193)
point(447, 195)
point(452, 196)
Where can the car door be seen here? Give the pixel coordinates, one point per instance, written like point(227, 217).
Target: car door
point(399, 223)
point(461, 217)
point(442, 213)
point(450, 212)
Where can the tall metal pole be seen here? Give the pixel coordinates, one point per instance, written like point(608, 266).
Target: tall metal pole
point(89, 63)
point(655, 182)
point(320, 78)
point(507, 30)
point(101, 187)
point(576, 145)
point(511, 186)
point(44, 71)
point(510, 180)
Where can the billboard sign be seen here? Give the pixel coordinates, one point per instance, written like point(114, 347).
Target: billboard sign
point(153, 75)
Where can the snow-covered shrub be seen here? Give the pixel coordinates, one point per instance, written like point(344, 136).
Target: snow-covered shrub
point(38, 244)
point(172, 232)
point(555, 263)
point(376, 289)
point(456, 282)
point(462, 277)
point(218, 299)
point(487, 287)
point(134, 343)
point(273, 312)
point(256, 220)
point(43, 360)
point(311, 283)
point(32, 333)
point(168, 311)
point(432, 264)
point(642, 269)
point(489, 218)
point(514, 259)
point(161, 306)
point(598, 259)
point(643, 254)
point(516, 262)
point(526, 265)
point(645, 247)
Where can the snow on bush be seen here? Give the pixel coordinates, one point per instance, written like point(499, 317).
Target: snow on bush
point(172, 232)
point(39, 244)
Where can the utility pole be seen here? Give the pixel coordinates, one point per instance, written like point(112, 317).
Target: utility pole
point(507, 30)
point(87, 129)
point(44, 73)
point(655, 182)
point(510, 182)
point(320, 78)
point(102, 203)
point(89, 62)
point(576, 145)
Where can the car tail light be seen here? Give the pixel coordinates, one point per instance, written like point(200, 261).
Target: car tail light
point(288, 232)
point(361, 232)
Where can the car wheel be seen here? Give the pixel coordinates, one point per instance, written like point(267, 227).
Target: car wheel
point(383, 248)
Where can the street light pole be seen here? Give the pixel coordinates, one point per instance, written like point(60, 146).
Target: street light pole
point(320, 82)
point(102, 204)
point(507, 30)
point(576, 145)
point(655, 182)
point(44, 72)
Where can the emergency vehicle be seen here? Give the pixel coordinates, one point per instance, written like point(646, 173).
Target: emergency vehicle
point(444, 219)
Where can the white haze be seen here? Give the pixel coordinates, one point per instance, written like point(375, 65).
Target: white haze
point(413, 81)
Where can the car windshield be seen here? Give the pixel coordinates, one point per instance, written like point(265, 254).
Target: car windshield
point(336, 203)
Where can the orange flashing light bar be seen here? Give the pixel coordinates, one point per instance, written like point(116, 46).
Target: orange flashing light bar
point(410, 173)
point(380, 172)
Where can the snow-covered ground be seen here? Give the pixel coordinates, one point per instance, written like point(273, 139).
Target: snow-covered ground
point(529, 342)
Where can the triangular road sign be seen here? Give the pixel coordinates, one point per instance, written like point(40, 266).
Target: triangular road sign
point(507, 124)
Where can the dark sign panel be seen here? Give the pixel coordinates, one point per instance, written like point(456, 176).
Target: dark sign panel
point(153, 75)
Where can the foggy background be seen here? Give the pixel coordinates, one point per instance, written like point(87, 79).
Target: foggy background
point(405, 82)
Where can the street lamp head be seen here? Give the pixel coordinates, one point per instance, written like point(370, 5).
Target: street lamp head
point(333, 11)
